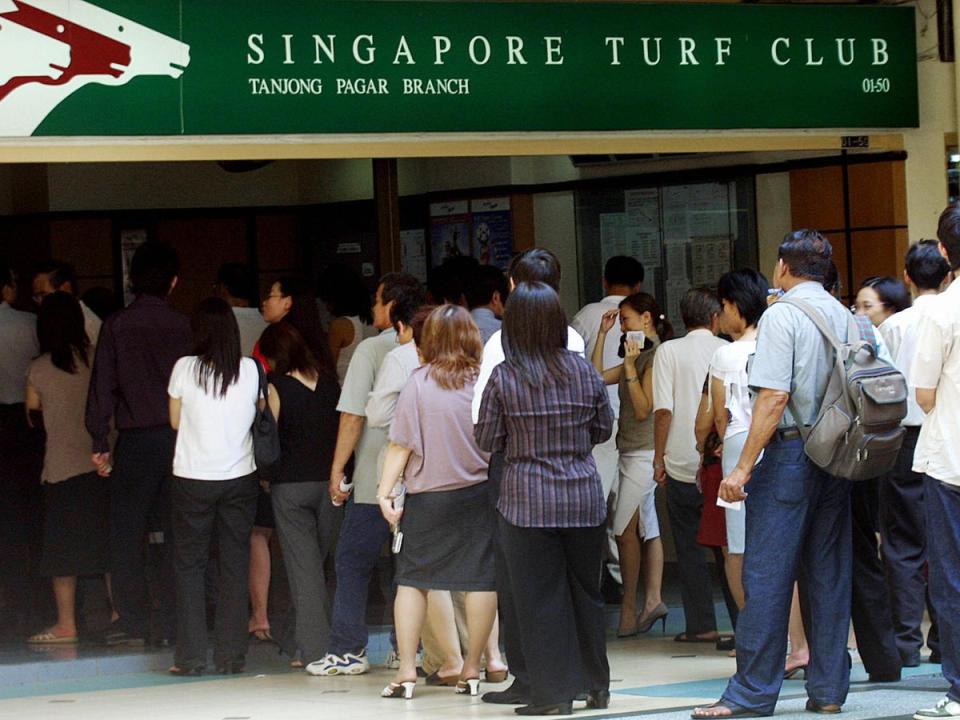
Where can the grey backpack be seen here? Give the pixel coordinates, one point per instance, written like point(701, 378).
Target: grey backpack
point(857, 433)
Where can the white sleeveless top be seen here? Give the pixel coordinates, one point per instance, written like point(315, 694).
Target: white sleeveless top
point(360, 333)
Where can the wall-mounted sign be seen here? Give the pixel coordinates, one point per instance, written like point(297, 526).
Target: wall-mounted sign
point(211, 67)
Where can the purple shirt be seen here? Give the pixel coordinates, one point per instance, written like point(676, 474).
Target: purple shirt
point(547, 434)
point(435, 424)
point(136, 352)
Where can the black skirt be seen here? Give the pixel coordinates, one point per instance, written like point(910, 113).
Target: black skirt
point(76, 538)
point(447, 541)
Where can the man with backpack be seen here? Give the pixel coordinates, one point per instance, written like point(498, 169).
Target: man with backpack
point(936, 376)
point(799, 524)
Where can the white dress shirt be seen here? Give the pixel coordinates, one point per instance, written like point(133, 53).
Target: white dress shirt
point(679, 371)
point(936, 365)
point(493, 356)
point(899, 332)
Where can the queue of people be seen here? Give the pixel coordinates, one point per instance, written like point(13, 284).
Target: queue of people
point(474, 436)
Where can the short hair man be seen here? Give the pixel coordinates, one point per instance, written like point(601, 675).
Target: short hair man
point(901, 491)
point(364, 531)
point(50, 276)
point(486, 295)
point(936, 376)
point(138, 348)
point(798, 517)
point(534, 265)
point(236, 283)
point(679, 372)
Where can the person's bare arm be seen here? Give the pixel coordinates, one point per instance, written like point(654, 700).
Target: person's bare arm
point(340, 336)
point(273, 400)
point(704, 422)
point(393, 465)
point(926, 399)
point(641, 393)
point(610, 376)
point(718, 399)
point(661, 429)
point(32, 402)
point(767, 411)
point(175, 405)
point(348, 435)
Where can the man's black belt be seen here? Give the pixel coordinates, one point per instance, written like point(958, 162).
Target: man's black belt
point(790, 433)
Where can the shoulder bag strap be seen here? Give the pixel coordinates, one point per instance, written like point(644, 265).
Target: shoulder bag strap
point(840, 351)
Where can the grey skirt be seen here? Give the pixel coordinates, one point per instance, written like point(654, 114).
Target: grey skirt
point(447, 541)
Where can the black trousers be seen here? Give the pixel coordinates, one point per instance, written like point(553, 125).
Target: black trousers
point(506, 606)
point(903, 532)
point(685, 506)
point(140, 486)
point(555, 578)
point(870, 612)
point(26, 595)
point(200, 509)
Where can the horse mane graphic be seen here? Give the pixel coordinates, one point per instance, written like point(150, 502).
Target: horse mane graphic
point(49, 49)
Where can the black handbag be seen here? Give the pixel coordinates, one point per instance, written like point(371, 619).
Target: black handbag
point(266, 438)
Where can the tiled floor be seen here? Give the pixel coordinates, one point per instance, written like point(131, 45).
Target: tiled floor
point(651, 676)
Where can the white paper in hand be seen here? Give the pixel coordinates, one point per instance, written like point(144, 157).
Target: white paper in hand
point(738, 505)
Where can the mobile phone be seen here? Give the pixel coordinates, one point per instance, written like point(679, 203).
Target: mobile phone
point(397, 542)
point(637, 336)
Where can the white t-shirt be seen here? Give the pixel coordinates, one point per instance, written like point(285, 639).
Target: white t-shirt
point(679, 371)
point(215, 441)
point(936, 365)
point(729, 365)
point(587, 323)
point(252, 325)
point(899, 332)
point(493, 356)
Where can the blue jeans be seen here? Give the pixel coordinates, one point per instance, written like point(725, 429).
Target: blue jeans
point(943, 556)
point(362, 535)
point(798, 527)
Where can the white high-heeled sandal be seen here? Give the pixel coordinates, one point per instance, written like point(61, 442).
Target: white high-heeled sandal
point(399, 690)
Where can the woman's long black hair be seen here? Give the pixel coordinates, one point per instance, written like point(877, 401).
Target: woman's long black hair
point(535, 333)
point(60, 331)
point(216, 343)
point(305, 317)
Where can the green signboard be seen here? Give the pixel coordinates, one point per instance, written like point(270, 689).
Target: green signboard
point(212, 67)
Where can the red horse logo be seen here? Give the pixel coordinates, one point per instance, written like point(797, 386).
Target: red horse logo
point(70, 44)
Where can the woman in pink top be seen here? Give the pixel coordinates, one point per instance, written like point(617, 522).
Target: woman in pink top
point(447, 520)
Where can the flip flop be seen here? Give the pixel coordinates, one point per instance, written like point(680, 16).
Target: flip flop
point(682, 638)
point(48, 638)
point(735, 711)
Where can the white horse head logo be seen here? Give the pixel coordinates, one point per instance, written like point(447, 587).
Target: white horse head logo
point(49, 49)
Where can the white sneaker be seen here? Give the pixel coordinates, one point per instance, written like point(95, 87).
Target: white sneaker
point(348, 664)
point(393, 660)
point(946, 708)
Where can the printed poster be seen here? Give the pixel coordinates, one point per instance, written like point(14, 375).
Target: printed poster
point(449, 231)
point(492, 231)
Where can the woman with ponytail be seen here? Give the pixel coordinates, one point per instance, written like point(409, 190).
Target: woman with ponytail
point(635, 516)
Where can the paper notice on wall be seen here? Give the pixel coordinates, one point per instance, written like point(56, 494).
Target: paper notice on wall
point(413, 258)
point(710, 259)
point(643, 244)
point(675, 292)
point(613, 235)
point(675, 202)
point(677, 263)
point(643, 208)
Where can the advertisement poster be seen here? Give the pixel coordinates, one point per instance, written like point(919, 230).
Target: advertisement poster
point(492, 231)
point(449, 231)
